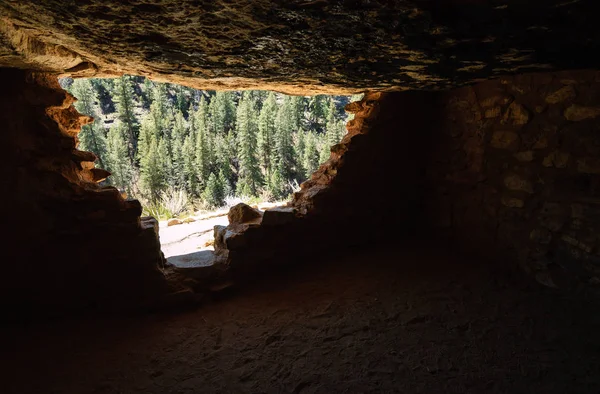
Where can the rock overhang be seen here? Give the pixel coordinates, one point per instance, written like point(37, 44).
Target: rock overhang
point(299, 46)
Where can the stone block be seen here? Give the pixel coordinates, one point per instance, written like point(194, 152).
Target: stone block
point(493, 112)
point(494, 101)
point(556, 159)
point(560, 95)
point(219, 235)
point(577, 113)
point(589, 165)
point(541, 143)
point(505, 140)
point(516, 114)
point(512, 202)
point(278, 216)
point(541, 235)
point(235, 238)
point(517, 183)
point(524, 156)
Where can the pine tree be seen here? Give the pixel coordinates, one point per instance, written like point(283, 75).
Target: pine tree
point(299, 151)
point(125, 113)
point(151, 172)
point(224, 156)
point(86, 96)
point(317, 112)
point(310, 159)
point(191, 120)
point(204, 148)
point(266, 127)
point(245, 140)
point(164, 160)
point(104, 88)
point(147, 133)
point(285, 124)
point(324, 148)
point(335, 130)
point(225, 188)
point(182, 102)
point(222, 113)
point(259, 97)
point(213, 193)
point(189, 169)
point(160, 110)
point(146, 93)
point(117, 159)
point(277, 184)
point(331, 128)
point(91, 137)
point(178, 136)
point(298, 104)
point(249, 175)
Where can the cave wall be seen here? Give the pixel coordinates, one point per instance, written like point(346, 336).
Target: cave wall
point(514, 173)
point(366, 194)
point(507, 170)
point(68, 243)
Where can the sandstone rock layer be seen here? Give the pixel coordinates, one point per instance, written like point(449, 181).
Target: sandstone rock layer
point(301, 46)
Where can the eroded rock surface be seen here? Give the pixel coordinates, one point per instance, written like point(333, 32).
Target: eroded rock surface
point(69, 243)
point(243, 213)
point(301, 46)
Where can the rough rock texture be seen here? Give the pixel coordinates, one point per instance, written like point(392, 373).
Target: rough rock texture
point(174, 222)
point(348, 200)
point(501, 169)
point(243, 213)
point(69, 243)
point(301, 46)
point(522, 183)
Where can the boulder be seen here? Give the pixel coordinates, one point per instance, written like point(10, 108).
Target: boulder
point(173, 222)
point(189, 220)
point(243, 213)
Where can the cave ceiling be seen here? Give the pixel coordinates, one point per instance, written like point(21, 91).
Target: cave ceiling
point(300, 46)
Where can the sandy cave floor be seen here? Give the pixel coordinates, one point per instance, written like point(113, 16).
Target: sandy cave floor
point(402, 320)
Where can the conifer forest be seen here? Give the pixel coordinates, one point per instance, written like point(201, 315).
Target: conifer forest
point(162, 141)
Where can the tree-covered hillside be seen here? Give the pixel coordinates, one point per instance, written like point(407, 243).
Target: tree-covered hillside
point(161, 139)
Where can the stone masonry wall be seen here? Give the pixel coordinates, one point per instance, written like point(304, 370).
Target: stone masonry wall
point(515, 173)
point(67, 242)
point(352, 199)
point(507, 169)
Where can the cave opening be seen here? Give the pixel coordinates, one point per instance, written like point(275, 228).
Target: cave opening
point(190, 155)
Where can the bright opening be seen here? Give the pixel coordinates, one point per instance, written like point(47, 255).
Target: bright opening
point(188, 154)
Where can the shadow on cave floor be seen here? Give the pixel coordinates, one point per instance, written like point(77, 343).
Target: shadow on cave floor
point(397, 320)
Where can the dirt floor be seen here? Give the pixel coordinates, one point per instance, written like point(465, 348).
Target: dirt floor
point(406, 320)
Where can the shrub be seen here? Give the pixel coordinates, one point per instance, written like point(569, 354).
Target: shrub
point(175, 201)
